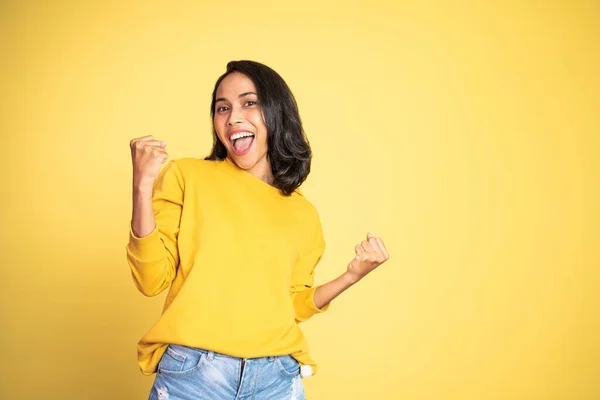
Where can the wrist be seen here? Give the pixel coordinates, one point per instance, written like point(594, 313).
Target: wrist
point(143, 189)
point(350, 278)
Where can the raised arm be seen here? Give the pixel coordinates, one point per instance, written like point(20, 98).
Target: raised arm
point(147, 156)
point(152, 252)
point(370, 254)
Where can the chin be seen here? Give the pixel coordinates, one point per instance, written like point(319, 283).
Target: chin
point(244, 162)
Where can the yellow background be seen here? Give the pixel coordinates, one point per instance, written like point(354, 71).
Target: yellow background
point(465, 134)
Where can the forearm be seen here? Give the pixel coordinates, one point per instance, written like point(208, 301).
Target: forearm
point(142, 219)
point(330, 290)
point(152, 257)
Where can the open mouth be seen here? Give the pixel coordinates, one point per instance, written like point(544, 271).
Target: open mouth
point(241, 142)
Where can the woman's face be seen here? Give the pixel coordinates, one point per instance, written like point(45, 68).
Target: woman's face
point(239, 125)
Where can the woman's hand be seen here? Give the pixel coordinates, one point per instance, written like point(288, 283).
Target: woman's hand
point(147, 156)
point(370, 254)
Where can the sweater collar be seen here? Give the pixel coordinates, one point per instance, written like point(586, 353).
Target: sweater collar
point(250, 179)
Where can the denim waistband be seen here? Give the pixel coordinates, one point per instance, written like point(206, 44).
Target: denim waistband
point(210, 354)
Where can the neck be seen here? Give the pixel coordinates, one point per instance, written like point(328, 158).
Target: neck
point(263, 172)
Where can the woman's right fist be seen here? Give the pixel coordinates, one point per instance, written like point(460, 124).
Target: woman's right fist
point(147, 156)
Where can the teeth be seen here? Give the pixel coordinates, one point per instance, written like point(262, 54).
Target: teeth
point(240, 135)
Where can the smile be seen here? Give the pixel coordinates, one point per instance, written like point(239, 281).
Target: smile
point(241, 142)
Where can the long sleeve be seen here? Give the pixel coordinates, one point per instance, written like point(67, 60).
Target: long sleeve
point(303, 274)
point(154, 259)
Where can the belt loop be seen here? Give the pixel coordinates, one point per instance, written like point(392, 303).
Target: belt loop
point(211, 355)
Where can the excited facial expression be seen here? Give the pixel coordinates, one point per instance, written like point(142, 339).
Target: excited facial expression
point(239, 124)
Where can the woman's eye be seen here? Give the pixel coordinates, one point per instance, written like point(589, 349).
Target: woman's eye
point(250, 103)
point(222, 108)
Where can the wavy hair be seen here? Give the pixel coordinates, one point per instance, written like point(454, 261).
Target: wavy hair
point(288, 150)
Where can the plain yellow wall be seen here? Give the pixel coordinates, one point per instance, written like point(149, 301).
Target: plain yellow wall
point(464, 134)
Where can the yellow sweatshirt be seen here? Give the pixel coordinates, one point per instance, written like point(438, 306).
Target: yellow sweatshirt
point(239, 258)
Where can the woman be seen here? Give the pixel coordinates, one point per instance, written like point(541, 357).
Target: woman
point(238, 245)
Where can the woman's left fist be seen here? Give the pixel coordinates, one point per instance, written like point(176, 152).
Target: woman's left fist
point(370, 254)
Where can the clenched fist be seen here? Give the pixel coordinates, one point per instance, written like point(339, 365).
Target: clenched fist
point(147, 156)
point(370, 254)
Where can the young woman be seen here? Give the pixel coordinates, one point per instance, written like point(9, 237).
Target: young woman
point(238, 244)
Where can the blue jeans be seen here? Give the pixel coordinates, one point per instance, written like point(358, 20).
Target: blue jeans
point(189, 373)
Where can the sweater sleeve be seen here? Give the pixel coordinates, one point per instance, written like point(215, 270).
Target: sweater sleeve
point(303, 274)
point(154, 259)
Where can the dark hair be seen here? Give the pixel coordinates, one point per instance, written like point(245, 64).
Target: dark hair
point(288, 150)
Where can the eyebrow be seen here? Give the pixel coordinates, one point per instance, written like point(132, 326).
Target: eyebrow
point(240, 96)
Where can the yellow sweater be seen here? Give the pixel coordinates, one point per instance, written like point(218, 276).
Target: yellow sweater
point(239, 257)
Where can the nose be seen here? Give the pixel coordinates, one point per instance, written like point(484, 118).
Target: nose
point(235, 117)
